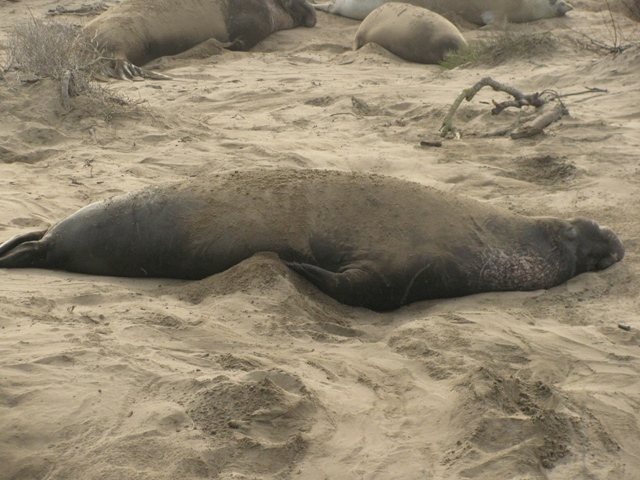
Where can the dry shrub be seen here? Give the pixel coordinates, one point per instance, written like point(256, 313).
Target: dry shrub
point(65, 53)
point(49, 49)
point(618, 37)
point(501, 47)
point(632, 8)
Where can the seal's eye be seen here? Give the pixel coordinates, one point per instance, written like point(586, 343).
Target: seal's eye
point(571, 232)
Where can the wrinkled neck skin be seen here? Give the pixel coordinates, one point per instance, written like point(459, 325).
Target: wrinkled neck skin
point(548, 253)
point(538, 257)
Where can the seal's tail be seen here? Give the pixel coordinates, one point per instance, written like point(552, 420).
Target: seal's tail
point(22, 251)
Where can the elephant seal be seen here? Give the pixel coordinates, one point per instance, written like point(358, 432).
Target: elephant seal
point(135, 32)
point(365, 240)
point(480, 12)
point(413, 33)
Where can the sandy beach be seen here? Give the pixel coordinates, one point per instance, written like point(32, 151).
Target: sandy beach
point(255, 374)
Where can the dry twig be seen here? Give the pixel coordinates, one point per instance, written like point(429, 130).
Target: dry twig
point(536, 99)
point(520, 100)
point(537, 126)
point(618, 40)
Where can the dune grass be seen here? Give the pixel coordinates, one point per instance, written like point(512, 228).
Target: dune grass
point(500, 47)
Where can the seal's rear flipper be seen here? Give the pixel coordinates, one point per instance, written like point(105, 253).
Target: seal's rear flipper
point(18, 239)
point(22, 251)
point(355, 286)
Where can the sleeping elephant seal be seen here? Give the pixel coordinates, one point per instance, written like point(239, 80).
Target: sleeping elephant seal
point(135, 32)
point(365, 240)
point(413, 33)
point(481, 12)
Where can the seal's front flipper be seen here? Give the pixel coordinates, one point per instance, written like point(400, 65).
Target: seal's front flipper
point(22, 251)
point(355, 285)
point(123, 69)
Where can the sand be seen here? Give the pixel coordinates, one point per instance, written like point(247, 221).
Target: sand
point(253, 373)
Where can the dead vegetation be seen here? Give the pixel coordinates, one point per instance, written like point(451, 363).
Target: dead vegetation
point(501, 47)
point(618, 37)
point(508, 44)
point(632, 9)
point(65, 53)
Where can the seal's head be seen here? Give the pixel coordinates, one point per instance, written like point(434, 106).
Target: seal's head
point(596, 247)
point(560, 7)
point(301, 12)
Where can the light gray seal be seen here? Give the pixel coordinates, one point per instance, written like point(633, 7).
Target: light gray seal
point(365, 240)
point(480, 12)
point(413, 33)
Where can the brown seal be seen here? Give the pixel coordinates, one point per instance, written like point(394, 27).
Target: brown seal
point(413, 33)
point(135, 32)
point(365, 240)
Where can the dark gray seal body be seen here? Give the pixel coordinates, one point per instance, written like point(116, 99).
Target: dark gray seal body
point(365, 240)
point(135, 32)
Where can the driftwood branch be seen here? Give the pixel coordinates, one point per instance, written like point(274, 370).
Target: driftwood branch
point(546, 116)
point(519, 100)
point(537, 126)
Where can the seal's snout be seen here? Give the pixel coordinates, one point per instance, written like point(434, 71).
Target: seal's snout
point(598, 247)
point(310, 18)
point(304, 11)
point(616, 249)
point(563, 7)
